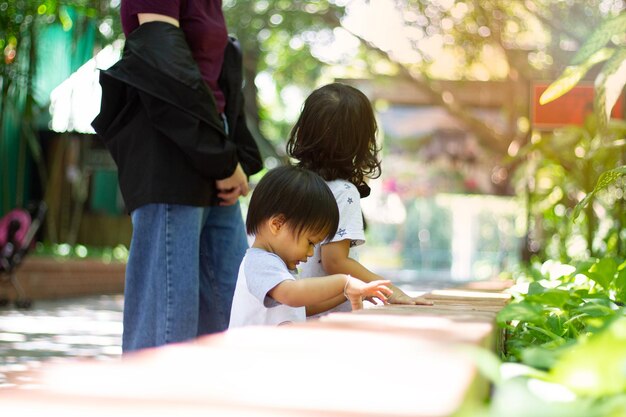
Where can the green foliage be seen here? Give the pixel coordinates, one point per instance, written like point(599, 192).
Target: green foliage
point(600, 38)
point(585, 378)
point(572, 75)
point(603, 144)
point(561, 302)
point(566, 345)
point(601, 359)
point(609, 84)
point(276, 38)
point(563, 165)
point(21, 19)
point(612, 78)
point(572, 161)
point(21, 26)
point(118, 253)
point(607, 178)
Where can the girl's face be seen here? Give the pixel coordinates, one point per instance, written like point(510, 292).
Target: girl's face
point(294, 249)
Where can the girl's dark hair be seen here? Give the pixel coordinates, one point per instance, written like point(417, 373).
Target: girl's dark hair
point(300, 195)
point(335, 135)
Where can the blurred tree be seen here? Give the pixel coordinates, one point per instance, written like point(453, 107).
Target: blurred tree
point(276, 38)
point(421, 41)
point(484, 40)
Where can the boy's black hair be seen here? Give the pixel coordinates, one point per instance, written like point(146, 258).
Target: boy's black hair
point(300, 195)
point(335, 135)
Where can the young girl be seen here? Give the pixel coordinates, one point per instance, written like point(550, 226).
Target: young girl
point(335, 137)
point(291, 210)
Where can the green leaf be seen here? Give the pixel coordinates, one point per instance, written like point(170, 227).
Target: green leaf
point(572, 74)
point(524, 397)
point(603, 272)
point(547, 332)
point(604, 181)
point(583, 266)
point(595, 367)
point(620, 286)
point(541, 357)
point(556, 323)
point(609, 85)
point(551, 297)
point(522, 311)
point(535, 288)
point(486, 361)
point(600, 37)
point(595, 310)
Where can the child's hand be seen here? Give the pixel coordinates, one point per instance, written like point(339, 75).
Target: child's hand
point(400, 297)
point(355, 290)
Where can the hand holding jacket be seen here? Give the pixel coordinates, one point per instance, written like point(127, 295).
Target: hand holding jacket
point(229, 189)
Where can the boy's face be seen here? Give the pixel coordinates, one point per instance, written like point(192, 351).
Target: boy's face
point(295, 249)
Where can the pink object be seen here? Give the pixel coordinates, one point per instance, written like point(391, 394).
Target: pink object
point(22, 217)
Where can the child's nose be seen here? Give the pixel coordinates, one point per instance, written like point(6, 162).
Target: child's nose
point(309, 253)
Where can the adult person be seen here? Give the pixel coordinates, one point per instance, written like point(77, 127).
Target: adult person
point(172, 118)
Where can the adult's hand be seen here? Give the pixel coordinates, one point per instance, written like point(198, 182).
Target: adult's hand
point(229, 189)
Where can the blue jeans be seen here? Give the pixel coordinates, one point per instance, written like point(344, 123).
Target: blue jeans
point(181, 272)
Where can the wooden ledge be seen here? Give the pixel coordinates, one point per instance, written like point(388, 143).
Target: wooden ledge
point(384, 361)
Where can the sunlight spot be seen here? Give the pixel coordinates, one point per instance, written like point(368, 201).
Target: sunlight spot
point(12, 337)
point(583, 379)
point(550, 392)
point(63, 249)
point(81, 251)
point(276, 19)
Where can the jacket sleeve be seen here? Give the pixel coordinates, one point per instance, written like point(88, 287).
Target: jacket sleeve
point(231, 82)
point(247, 149)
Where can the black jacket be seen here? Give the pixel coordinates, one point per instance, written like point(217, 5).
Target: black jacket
point(159, 120)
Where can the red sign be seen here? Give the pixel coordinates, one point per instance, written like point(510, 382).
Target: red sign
point(570, 109)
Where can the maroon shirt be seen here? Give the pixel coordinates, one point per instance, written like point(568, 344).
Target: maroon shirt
point(203, 24)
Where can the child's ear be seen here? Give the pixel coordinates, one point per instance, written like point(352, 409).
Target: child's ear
point(276, 223)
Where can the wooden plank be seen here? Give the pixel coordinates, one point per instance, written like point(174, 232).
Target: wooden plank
point(429, 327)
point(303, 370)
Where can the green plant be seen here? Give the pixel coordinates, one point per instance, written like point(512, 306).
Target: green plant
point(572, 161)
point(587, 379)
point(561, 167)
point(558, 303)
point(566, 326)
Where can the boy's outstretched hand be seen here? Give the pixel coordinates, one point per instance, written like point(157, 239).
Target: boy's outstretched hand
point(400, 297)
point(356, 290)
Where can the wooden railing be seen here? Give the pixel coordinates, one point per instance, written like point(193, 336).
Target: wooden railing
point(381, 361)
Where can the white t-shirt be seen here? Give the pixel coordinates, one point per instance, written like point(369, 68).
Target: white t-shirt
point(350, 227)
point(259, 272)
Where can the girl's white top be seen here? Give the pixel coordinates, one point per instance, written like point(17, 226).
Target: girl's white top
point(350, 228)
